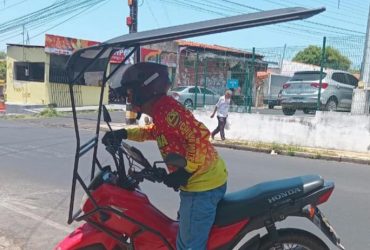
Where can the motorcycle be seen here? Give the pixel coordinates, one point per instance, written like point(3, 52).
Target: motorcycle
point(118, 215)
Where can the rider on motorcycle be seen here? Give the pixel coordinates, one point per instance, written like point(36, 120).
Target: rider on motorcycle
point(203, 181)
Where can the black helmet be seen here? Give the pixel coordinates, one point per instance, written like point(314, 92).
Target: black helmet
point(143, 80)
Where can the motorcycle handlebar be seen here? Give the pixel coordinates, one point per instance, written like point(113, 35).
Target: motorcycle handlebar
point(153, 174)
point(149, 172)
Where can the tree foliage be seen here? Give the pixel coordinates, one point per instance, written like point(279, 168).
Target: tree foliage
point(2, 65)
point(2, 70)
point(333, 58)
point(2, 55)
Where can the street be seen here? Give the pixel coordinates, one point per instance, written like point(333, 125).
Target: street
point(36, 168)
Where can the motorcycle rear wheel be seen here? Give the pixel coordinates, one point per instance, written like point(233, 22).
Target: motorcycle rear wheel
point(291, 238)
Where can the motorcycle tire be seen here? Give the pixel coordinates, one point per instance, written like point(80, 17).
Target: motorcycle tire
point(291, 238)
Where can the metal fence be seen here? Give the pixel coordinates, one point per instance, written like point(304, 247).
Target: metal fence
point(296, 79)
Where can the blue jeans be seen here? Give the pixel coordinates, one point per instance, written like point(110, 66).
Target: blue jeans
point(197, 215)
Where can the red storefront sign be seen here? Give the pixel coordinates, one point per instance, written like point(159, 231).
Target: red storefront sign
point(149, 55)
point(61, 45)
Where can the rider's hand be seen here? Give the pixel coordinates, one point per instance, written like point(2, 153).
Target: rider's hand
point(114, 138)
point(176, 179)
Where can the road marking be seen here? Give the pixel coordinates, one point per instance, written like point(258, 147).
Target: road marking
point(22, 203)
point(35, 217)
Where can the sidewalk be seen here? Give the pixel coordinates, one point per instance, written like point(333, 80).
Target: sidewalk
point(276, 149)
point(305, 152)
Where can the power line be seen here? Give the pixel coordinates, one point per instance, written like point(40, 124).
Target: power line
point(13, 5)
point(36, 19)
point(323, 15)
point(310, 22)
point(299, 32)
point(204, 7)
point(62, 22)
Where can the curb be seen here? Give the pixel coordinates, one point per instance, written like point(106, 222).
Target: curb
point(296, 154)
point(307, 155)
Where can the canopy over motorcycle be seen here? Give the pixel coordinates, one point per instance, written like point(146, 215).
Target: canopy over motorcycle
point(94, 60)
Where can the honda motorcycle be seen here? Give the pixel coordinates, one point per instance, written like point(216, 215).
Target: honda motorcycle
point(115, 213)
point(119, 215)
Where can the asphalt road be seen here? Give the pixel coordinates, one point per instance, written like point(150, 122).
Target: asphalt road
point(36, 159)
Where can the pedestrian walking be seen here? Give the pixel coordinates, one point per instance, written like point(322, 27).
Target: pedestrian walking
point(222, 108)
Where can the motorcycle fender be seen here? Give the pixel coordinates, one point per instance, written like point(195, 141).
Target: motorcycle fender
point(84, 236)
point(318, 218)
point(253, 243)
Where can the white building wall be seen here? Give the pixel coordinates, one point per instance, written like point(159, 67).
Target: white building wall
point(329, 130)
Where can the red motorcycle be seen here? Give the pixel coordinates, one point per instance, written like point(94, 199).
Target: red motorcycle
point(120, 216)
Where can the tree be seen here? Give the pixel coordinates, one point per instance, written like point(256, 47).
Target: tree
point(2, 55)
point(2, 65)
point(333, 58)
point(2, 70)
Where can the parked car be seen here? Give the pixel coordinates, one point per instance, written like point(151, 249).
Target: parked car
point(301, 91)
point(186, 96)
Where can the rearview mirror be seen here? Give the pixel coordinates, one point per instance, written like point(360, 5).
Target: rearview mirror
point(175, 160)
point(106, 115)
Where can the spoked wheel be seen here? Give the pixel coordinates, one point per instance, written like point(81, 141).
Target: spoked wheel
point(296, 239)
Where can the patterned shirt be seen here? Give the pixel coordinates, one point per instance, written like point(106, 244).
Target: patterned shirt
point(176, 130)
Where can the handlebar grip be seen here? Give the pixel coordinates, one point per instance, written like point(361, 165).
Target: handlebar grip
point(160, 173)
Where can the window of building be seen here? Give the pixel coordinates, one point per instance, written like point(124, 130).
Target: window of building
point(29, 71)
point(57, 73)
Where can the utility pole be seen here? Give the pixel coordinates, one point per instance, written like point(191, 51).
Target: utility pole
point(131, 22)
point(360, 97)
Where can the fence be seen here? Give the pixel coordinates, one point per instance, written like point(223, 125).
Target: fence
point(264, 76)
point(212, 71)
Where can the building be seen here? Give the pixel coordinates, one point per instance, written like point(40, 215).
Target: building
point(36, 75)
point(208, 65)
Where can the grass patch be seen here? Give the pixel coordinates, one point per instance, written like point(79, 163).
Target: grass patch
point(318, 156)
point(18, 116)
point(287, 149)
point(276, 147)
point(48, 112)
point(291, 151)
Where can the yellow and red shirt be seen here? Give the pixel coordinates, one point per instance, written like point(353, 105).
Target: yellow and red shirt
point(176, 130)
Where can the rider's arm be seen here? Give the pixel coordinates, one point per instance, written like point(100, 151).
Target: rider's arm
point(141, 134)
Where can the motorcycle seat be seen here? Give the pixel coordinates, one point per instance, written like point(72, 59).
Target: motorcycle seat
point(260, 198)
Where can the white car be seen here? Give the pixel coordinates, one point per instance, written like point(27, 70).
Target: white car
point(301, 91)
point(186, 96)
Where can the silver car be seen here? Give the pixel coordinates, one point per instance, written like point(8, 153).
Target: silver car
point(301, 91)
point(186, 96)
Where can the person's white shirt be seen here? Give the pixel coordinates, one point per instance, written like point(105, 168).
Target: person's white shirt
point(223, 105)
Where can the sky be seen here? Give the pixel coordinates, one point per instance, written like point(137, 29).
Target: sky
point(344, 20)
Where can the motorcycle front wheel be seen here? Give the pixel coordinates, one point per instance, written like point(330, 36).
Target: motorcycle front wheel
point(291, 238)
